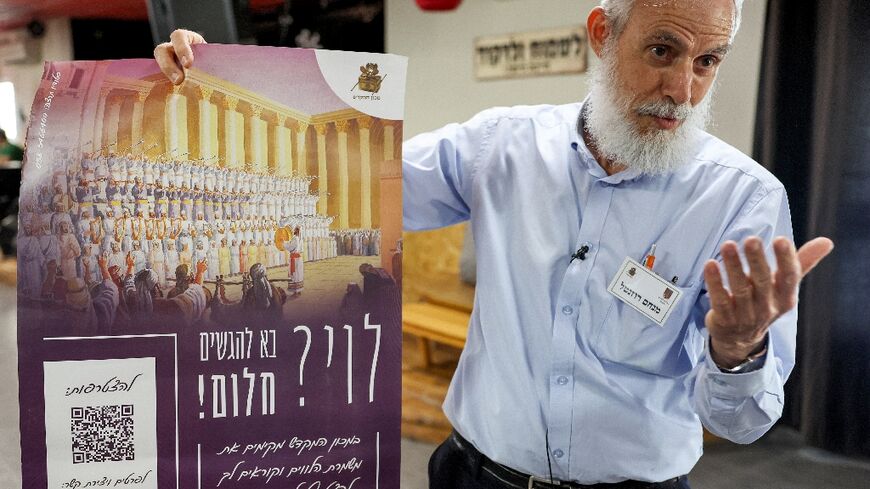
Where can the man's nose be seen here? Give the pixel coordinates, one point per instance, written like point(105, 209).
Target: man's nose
point(677, 83)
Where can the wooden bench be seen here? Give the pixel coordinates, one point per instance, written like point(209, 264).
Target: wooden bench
point(450, 293)
point(435, 322)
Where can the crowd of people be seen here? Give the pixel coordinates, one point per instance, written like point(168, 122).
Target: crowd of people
point(358, 242)
point(162, 215)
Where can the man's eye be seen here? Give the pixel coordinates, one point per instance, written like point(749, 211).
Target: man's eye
point(659, 51)
point(708, 61)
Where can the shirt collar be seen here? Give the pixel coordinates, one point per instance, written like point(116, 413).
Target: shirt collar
point(588, 160)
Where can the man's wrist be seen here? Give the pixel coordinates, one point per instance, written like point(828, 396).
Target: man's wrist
point(732, 360)
point(729, 358)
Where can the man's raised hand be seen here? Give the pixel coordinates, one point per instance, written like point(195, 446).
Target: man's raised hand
point(175, 56)
point(738, 319)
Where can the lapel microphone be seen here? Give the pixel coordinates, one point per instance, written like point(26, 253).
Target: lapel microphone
point(581, 254)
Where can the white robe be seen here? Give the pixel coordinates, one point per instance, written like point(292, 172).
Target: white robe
point(157, 262)
point(118, 258)
point(32, 272)
point(235, 264)
point(70, 250)
point(139, 262)
point(171, 262)
point(295, 266)
point(213, 264)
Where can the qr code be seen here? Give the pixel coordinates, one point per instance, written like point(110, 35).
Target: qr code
point(102, 434)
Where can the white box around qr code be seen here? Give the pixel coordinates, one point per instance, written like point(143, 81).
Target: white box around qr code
point(101, 421)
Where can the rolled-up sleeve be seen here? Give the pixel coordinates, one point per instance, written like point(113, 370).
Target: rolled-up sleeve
point(742, 407)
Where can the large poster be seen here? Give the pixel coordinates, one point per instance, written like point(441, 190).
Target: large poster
point(206, 287)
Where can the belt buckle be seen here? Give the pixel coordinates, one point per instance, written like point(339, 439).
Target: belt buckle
point(550, 482)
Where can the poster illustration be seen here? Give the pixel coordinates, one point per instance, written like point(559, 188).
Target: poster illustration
point(206, 287)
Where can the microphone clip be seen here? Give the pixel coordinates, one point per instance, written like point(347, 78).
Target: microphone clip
point(579, 254)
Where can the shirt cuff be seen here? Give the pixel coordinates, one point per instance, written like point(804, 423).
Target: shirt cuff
point(744, 384)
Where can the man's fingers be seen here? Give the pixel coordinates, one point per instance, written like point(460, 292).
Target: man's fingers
point(741, 287)
point(720, 299)
point(794, 265)
point(182, 39)
point(812, 252)
point(787, 274)
point(177, 55)
point(165, 57)
point(759, 273)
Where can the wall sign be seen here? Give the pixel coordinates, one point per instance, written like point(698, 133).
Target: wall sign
point(548, 52)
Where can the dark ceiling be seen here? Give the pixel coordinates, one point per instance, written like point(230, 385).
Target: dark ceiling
point(17, 13)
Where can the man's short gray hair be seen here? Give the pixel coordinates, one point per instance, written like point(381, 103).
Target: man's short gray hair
point(618, 11)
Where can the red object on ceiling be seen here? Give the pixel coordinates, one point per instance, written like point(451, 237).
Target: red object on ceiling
point(438, 4)
point(264, 4)
point(17, 13)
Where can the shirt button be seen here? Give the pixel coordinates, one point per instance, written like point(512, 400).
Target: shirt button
point(567, 310)
point(562, 380)
point(558, 453)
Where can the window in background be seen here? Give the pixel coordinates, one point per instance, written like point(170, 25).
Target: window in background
point(8, 117)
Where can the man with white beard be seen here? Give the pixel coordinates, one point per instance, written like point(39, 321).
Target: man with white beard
point(569, 375)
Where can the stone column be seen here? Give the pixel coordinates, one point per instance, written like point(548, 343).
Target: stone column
point(343, 207)
point(114, 121)
point(301, 158)
point(257, 134)
point(138, 121)
point(389, 140)
point(288, 150)
point(281, 161)
point(98, 141)
point(233, 149)
point(176, 122)
point(365, 172)
point(321, 169)
point(207, 125)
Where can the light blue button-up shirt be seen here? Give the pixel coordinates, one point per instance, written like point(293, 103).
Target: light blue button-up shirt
point(558, 373)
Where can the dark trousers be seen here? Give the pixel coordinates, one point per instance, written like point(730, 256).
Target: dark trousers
point(455, 464)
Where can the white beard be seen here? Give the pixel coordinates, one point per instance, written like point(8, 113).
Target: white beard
point(655, 152)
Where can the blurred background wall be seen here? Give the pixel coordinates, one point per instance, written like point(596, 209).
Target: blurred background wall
point(442, 89)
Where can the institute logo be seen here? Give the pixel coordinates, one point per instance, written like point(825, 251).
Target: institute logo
point(370, 79)
point(668, 293)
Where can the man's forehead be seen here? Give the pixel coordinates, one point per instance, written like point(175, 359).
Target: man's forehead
point(707, 15)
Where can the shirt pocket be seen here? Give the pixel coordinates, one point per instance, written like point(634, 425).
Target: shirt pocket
point(629, 338)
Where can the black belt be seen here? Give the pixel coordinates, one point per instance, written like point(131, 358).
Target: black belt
point(519, 480)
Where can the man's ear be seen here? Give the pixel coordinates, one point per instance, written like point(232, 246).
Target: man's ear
point(597, 29)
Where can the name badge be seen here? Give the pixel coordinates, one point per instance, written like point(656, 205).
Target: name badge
point(646, 292)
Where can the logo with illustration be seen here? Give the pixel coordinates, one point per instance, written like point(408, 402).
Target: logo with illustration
point(369, 80)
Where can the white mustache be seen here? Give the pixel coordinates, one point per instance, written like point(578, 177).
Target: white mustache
point(666, 110)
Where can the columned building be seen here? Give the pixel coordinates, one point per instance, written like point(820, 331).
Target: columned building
point(213, 122)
